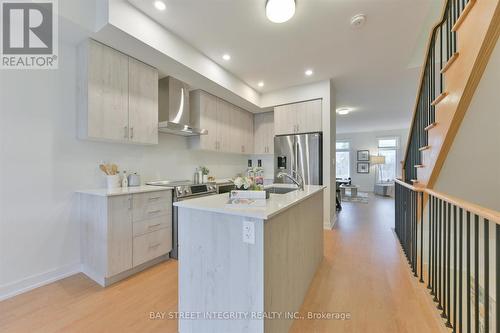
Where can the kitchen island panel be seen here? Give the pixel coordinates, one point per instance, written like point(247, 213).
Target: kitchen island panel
point(218, 271)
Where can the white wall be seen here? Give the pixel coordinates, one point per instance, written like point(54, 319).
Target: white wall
point(42, 164)
point(472, 168)
point(324, 90)
point(368, 141)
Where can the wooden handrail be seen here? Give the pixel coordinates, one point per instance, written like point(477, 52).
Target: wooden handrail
point(489, 214)
point(409, 186)
point(422, 76)
point(486, 213)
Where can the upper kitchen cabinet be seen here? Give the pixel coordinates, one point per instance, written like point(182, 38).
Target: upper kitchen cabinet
point(230, 128)
point(204, 115)
point(304, 117)
point(143, 102)
point(118, 96)
point(264, 133)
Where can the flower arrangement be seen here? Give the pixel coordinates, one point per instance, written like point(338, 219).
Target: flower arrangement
point(245, 183)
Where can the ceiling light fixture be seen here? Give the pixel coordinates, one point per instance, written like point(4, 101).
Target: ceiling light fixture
point(280, 11)
point(260, 84)
point(160, 5)
point(357, 21)
point(226, 57)
point(309, 72)
point(343, 111)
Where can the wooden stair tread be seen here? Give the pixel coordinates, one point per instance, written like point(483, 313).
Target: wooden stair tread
point(419, 166)
point(424, 148)
point(430, 126)
point(463, 16)
point(439, 98)
point(450, 62)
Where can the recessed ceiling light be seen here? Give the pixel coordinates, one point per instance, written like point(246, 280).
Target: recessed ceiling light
point(279, 11)
point(343, 111)
point(226, 57)
point(309, 72)
point(260, 84)
point(160, 5)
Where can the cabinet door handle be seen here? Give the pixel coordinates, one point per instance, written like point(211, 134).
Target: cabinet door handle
point(125, 131)
point(152, 246)
point(154, 225)
point(154, 198)
point(155, 211)
point(131, 132)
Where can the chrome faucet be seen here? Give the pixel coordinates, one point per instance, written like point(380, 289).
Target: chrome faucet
point(298, 180)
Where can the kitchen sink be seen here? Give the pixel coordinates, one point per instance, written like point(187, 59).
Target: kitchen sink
point(281, 190)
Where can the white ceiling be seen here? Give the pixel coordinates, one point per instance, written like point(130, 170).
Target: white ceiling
point(373, 68)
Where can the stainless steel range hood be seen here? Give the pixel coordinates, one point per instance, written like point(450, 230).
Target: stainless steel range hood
point(174, 111)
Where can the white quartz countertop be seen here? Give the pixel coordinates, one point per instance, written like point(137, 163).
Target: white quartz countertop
point(276, 204)
point(104, 192)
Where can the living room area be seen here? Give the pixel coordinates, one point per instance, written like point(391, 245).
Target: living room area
point(367, 164)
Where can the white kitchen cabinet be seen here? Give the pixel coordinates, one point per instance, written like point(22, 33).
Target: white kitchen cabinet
point(303, 117)
point(230, 128)
point(224, 126)
point(242, 124)
point(119, 234)
point(123, 234)
point(264, 133)
point(309, 116)
point(117, 96)
point(143, 102)
point(204, 115)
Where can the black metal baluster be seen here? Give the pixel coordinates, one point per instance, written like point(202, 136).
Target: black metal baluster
point(487, 275)
point(415, 233)
point(468, 275)
point(460, 326)
point(439, 252)
point(434, 259)
point(476, 273)
point(445, 267)
point(422, 237)
point(448, 271)
point(455, 268)
point(429, 265)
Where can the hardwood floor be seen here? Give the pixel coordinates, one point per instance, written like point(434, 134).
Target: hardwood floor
point(363, 273)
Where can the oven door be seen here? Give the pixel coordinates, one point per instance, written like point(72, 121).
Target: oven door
point(175, 240)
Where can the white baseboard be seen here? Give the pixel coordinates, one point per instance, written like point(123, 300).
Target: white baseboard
point(38, 280)
point(328, 225)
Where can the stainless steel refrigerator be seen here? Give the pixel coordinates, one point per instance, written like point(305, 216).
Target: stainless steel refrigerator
point(302, 153)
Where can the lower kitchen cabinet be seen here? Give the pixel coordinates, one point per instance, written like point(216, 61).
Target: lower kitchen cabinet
point(123, 234)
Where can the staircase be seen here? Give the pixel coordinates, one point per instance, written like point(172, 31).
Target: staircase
point(458, 51)
point(452, 246)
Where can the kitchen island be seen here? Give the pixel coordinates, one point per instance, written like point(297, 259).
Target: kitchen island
point(247, 269)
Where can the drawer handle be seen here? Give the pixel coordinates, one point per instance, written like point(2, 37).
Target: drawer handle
point(155, 211)
point(154, 245)
point(154, 198)
point(154, 225)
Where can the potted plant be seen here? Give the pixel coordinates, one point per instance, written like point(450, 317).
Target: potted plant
point(204, 172)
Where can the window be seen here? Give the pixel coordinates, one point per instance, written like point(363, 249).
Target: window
point(388, 147)
point(343, 156)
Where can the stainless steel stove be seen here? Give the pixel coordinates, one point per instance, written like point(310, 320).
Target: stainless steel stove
point(183, 190)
